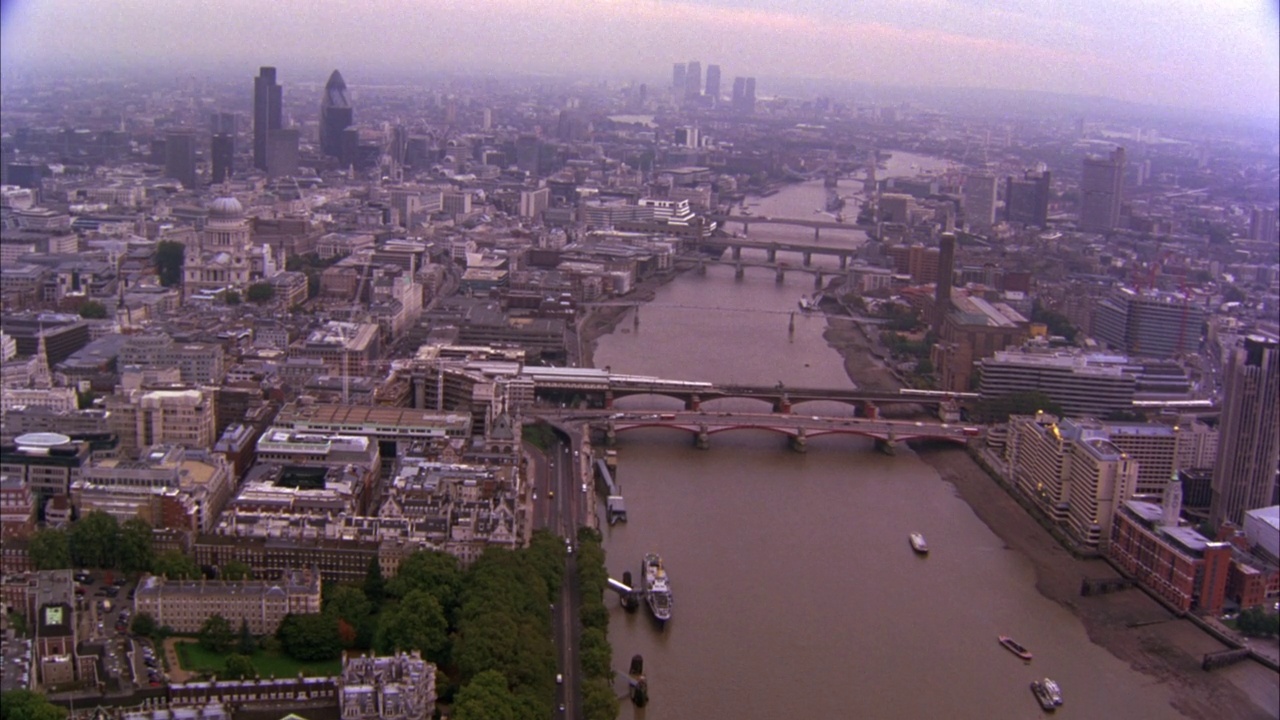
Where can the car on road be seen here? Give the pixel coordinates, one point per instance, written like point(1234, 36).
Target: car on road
point(559, 679)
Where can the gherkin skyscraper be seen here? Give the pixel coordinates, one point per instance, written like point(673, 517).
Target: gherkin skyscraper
point(335, 115)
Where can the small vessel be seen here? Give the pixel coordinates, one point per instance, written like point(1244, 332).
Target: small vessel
point(657, 589)
point(918, 544)
point(1014, 647)
point(1054, 691)
point(807, 305)
point(1047, 693)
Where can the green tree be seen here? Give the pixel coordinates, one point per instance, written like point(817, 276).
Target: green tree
point(260, 292)
point(998, 409)
point(175, 566)
point(597, 657)
point(233, 298)
point(136, 553)
point(93, 310)
point(434, 572)
point(144, 624)
point(27, 705)
point(95, 540)
point(598, 700)
point(50, 549)
point(349, 603)
point(486, 697)
point(374, 584)
point(216, 635)
point(235, 570)
point(1256, 622)
point(170, 256)
point(237, 667)
point(310, 637)
point(417, 623)
point(246, 644)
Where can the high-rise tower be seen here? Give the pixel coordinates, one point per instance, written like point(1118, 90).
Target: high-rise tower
point(713, 83)
point(693, 79)
point(678, 72)
point(1249, 441)
point(222, 146)
point(267, 115)
point(335, 115)
point(180, 157)
point(1101, 186)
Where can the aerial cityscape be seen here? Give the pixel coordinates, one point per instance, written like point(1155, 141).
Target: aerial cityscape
point(696, 359)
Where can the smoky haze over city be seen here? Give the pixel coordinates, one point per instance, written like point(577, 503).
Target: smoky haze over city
point(1220, 56)
point(661, 360)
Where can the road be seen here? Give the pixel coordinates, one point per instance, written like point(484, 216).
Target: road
point(560, 506)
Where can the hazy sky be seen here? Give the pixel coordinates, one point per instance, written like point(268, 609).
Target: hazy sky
point(1187, 53)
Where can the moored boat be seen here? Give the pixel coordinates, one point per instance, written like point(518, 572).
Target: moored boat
point(1015, 647)
point(918, 544)
point(1055, 692)
point(657, 588)
point(1043, 696)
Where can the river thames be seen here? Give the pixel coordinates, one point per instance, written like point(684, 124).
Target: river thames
point(796, 593)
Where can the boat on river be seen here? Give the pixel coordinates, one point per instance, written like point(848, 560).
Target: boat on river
point(1047, 693)
point(918, 544)
point(1015, 647)
point(807, 304)
point(657, 588)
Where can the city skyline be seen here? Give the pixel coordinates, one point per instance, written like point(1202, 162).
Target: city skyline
point(1076, 50)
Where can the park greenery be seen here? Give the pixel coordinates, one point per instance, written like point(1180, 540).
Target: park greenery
point(27, 705)
point(1256, 622)
point(1057, 323)
point(998, 409)
point(486, 627)
point(260, 292)
point(93, 310)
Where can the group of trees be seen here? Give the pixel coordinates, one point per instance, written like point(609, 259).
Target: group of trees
point(998, 409)
point(1057, 323)
point(169, 258)
point(1256, 622)
point(98, 540)
point(598, 700)
point(487, 628)
point(27, 705)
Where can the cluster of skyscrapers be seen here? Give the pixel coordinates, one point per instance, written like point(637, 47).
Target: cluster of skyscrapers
point(687, 82)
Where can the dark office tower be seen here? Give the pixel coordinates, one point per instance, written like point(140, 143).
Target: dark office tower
point(677, 78)
point(282, 153)
point(180, 157)
point(739, 92)
point(223, 123)
point(1026, 199)
point(335, 115)
point(222, 154)
point(266, 113)
point(1101, 183)
point(713, 82)
point(1262, 225)
point(693, 79)
point(1249, 432)
point(946, 268)
point(528, 150)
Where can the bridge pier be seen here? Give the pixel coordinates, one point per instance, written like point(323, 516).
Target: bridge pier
point(694, 403)
point(610, 434)
point(746, 228)
point(869, 410)
point(738, 271)
point(844, 262)
point(783, 406)
point(771, 254)
point(780, 275)
point(816, 238)
point(608, 399)
point(808, 258)
point(736, 252)
point(817, 280)
point(703, 440)
point(702, 266)
point(799, 442)
point(888, 444)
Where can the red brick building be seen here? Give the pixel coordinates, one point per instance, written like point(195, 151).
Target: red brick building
point(1177, 563)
